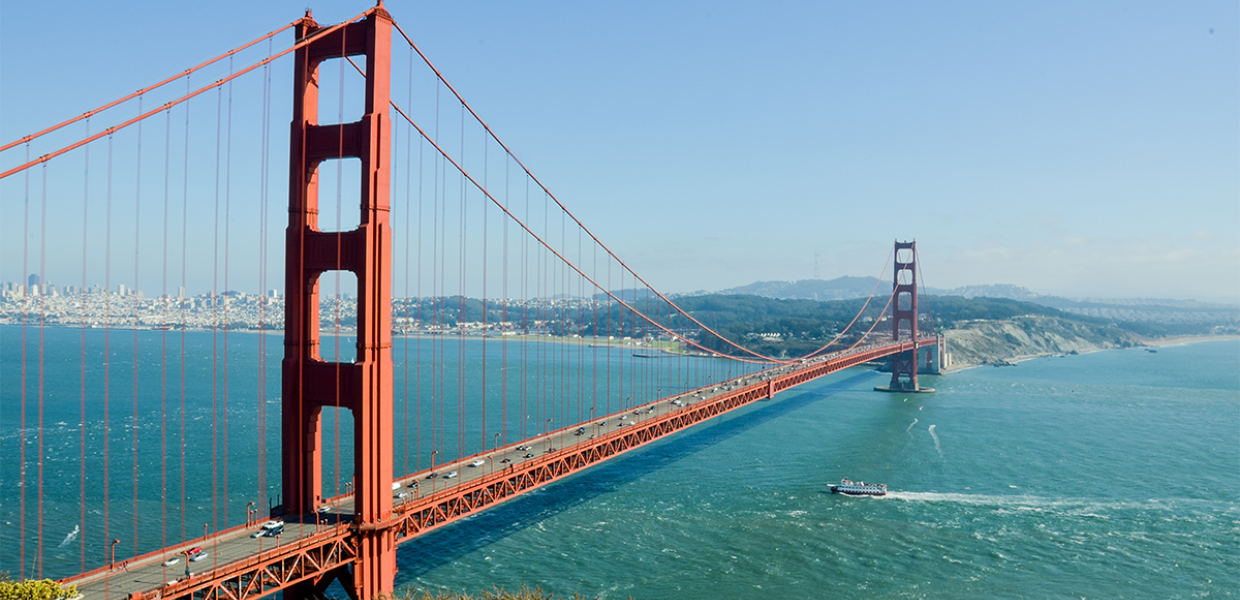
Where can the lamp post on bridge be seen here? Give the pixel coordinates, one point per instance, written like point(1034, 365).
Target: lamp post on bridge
point(433, 453)
point(112, 550)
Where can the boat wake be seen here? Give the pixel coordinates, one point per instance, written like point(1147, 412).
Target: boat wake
point(936, 441)
point(910, 427)
point(70, 537)
point(1089, 508)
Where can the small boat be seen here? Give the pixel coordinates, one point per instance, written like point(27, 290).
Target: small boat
point(859, 488)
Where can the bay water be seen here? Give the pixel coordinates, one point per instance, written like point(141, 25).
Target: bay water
point(1114, 474)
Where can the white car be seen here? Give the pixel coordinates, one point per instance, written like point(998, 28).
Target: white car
point(198, 557)
point(172, 561)
point(269, 525)
point(478, 463)
point(450, 475)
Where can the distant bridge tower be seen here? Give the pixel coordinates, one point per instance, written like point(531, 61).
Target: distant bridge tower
point(904, 318)
point(363, 386)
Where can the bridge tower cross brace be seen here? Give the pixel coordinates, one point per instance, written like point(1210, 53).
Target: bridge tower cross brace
point(309, 383)
point(904, 312)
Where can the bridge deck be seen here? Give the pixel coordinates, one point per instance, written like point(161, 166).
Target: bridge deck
point(238, 566)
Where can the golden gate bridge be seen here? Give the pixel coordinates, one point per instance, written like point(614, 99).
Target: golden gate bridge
point(487, 258)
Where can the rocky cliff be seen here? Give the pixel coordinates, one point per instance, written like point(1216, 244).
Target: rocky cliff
point(995, 342)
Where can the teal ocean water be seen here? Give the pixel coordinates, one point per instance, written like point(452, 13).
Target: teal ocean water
point(183, 431)
point(1108, 475)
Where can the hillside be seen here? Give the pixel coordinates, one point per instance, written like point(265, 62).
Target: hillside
point(995, 342)
point(980, 330)
point(1145, 316)
point(840, 288)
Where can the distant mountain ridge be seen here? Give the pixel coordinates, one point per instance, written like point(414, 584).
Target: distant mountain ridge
point(1138, 310)
point(840, 288)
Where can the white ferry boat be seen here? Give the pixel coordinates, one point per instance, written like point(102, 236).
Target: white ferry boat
point(859, 488)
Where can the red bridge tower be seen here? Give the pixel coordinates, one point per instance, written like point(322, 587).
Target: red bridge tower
point(904, 318)
point(364, 386)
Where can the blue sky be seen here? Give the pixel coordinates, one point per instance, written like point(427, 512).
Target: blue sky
point(1078, 149)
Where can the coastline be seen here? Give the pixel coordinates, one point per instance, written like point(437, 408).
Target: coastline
point(1182, 340)
point(1187, 339)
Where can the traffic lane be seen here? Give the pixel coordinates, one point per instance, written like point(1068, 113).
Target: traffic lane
point(152, 573)
point(436, 482)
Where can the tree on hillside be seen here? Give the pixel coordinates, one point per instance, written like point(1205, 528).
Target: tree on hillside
point(34, 589)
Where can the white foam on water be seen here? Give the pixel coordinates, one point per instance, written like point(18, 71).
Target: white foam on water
point(936, 441)
point(70, 537)
point(910, 427)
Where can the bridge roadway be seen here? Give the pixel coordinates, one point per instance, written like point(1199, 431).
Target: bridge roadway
point(238, 566)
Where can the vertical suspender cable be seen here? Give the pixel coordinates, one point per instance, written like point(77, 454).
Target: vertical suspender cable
point(461, 315)
point(182, 301)
point(29, 292)
point(435, 258)
point(541, 280)
point(485, 172)
point(107, 358)
point(566, 289)
point(507, 300)
point(262, 280)
point(227, 255)
point(339, 258)
point(594, 332)
point(408, 233)
point(215, 303)
point(163, 342)
point(421, 320)
point(82, 366)
point(524, 416)
point(42, 324)
point(137, 315)
point(403, 468)
point(607, 389)
point(620, 403)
